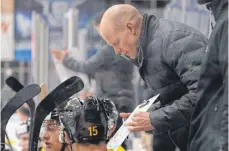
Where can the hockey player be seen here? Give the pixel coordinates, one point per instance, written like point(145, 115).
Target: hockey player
point(89, 123)
point(22, 132)
point(51, 130)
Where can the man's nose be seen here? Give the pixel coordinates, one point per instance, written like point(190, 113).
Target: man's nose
point(45, 136)
point(117, 50)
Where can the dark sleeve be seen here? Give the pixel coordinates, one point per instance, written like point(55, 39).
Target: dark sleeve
point(223, 60)
point(184, 55)
point(223, 57)
point(162, 142)
point(91, 65)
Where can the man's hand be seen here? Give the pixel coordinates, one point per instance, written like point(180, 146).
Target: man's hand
point(124, 115)
point(139, 122)
point(59, 54)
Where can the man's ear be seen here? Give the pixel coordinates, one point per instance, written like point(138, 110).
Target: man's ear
point(130, 28)
point(111, 131)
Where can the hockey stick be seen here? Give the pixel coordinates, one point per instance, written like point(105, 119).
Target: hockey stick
point(13, 104)
point(43, 94)
point(50, 102)
point(15, 85)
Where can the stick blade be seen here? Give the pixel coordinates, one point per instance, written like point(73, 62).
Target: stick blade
point(14, 84)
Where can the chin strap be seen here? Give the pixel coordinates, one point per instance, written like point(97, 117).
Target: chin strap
point(63, 146)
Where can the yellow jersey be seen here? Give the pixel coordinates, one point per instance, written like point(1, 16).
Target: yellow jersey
point(120, 148)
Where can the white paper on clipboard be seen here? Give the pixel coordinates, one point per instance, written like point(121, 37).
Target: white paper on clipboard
point(123, 131)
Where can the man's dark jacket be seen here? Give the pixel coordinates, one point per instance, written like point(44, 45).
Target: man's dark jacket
point(169, 58)
point(209, 124)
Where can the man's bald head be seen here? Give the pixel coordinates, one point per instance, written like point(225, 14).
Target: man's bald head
point(121, 18)
point(118, 15)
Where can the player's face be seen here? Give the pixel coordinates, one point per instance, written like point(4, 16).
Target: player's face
point(50, 137)
point(24, 142)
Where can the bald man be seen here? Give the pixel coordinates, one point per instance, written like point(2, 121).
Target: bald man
point(168, 55)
